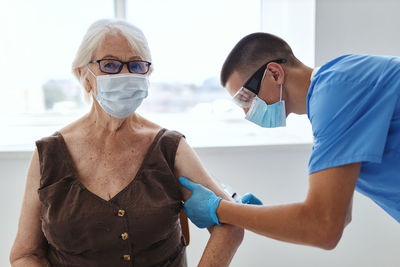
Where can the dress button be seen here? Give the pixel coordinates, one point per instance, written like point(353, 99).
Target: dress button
point(126, 257)
point(124, 236)
point(121, 213)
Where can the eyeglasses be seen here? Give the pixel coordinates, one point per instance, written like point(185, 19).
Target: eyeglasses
point(114, 66)
point(244, 97)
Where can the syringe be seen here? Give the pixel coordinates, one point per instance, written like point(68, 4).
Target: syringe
point(236, 197)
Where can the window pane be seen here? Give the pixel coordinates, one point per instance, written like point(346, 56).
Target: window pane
point(39, 42)
point(42, 38)
point(189, 41)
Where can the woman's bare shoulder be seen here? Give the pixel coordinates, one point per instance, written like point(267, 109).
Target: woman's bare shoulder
point(146, 126)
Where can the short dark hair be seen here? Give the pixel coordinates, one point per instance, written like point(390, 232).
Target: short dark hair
point(253, 51)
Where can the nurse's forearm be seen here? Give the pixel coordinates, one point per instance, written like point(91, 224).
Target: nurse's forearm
point(295, 223)
point(222, 245)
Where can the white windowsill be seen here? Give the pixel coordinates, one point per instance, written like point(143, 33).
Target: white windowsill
point(201, 131)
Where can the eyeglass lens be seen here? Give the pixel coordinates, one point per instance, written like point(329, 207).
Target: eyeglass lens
point(244, 97)
point(138, 66)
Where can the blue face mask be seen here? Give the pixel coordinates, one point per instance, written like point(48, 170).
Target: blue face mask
point(267, 116)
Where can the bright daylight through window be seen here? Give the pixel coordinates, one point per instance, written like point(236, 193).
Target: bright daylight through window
point(189, 40)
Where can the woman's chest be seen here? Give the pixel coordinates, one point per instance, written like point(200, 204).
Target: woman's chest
point(107, 172)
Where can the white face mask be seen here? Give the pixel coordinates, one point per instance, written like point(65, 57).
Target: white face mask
point(121, 94)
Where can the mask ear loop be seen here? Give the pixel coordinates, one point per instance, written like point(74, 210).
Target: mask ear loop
point(91, 71)
point(280, 98)
point(94, 75)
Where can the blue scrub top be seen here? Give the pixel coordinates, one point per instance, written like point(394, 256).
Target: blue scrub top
point(354, 107)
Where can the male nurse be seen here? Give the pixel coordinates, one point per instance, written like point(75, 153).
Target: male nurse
point(353, 105)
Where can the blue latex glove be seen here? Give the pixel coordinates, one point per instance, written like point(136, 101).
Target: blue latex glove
point(249, 198)
point(201, 207)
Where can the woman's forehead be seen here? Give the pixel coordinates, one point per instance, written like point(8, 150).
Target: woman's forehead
point(116, 46)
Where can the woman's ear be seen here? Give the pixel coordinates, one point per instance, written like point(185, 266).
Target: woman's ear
point(79, 71)
point(86, 80)
point(88, 85)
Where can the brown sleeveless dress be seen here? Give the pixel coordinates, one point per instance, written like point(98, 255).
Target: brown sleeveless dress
point(138, 227)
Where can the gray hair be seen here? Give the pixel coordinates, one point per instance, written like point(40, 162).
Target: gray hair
point(95, 36)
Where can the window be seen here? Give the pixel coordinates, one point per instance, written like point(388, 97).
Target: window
point(39, 42)
point(189, 40)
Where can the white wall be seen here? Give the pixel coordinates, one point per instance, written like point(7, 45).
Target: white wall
point(292, 20)
point(277, 174)
point(13, 168)
point(356, 26)
point(320, 30)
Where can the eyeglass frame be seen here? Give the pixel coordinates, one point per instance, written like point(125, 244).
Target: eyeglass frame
point(122, 66)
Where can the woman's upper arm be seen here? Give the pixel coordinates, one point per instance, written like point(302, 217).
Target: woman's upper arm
point(30, 240)
point(188, 164)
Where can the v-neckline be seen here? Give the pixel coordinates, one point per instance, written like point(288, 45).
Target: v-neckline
point(111, 200)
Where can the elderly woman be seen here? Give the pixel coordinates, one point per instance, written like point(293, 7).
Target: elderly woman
point(104, 190)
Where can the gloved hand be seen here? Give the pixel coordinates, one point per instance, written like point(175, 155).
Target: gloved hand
point(249, 198)
point(201, 207)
